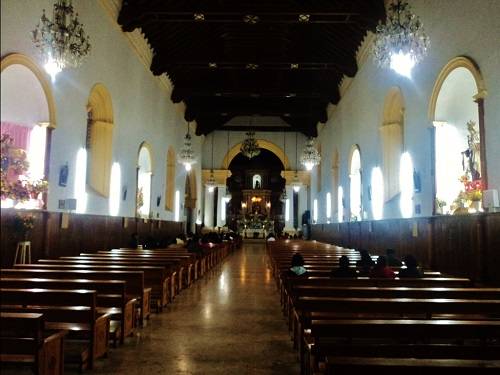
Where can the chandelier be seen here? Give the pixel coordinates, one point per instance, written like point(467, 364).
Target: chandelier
point(296, 184)
point(211, 182)
point(310, 156)
point(401, 42)
point(250, 146)
point(61, 41)
point(186, 155)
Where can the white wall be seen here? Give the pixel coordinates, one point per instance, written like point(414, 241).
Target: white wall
point(235, 137)
point(455, 27)
point(142, 109)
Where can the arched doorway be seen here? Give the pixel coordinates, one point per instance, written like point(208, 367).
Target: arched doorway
point(144, 176)
point(255, 189)
point(27, 120)
point(457, 112)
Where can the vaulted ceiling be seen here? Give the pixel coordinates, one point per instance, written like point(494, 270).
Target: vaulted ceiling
point(228, 58)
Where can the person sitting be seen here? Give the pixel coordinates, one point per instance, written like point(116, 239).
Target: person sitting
point(411, 269)
point(297, 268)
point(180, 239)
point(271, 237)
point(365, 264)
point(134, 241)
point(381, 270)
point(392, 261)
point(344, 270)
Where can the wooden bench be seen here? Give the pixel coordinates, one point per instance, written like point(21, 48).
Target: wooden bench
point(409, 366)
point(154, 277)
point(160, 295)
point(111, 299)
point(23, 340)
point(327, 335)
point(74, 311)
point(135, 288)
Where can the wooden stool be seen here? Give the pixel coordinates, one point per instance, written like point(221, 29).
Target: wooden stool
point(23, 248)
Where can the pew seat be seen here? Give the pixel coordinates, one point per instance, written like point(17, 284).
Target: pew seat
point(25, 341)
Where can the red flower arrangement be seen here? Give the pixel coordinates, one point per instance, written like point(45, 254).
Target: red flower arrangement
point(14, 168)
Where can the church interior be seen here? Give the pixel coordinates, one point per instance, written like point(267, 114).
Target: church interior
point(251, 187)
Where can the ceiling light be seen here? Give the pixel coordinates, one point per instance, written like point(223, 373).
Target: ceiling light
point(251, 19)
point(211, 182)
point(212, 65)
point(200, 17)
point(61, 41)
point(250, 146)
point(310, 156)
point(186, 155)
point(296, 184)
point(252, 66)
point(294, 66)
point(304, 18)
point(400, 42)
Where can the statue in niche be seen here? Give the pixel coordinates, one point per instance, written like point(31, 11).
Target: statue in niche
point(257, 181)
point(470, 157)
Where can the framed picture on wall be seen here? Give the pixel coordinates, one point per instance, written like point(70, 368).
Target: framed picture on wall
point(63, 175)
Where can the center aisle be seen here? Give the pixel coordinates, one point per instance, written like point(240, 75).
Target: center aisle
point(229, 322)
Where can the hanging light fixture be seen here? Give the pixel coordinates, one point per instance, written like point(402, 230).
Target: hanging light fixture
point(62, 41)
point(400, 42)
point(211, 183)
point(228, 192)
point(296, 184)
point(310, 156)
point(250, 146)
point(186, 155)
point(283, 196)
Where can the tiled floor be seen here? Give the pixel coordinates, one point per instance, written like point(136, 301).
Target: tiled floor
point(227, 323)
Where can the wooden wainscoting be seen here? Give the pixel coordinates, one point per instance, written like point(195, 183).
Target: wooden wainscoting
point(461, 245)
point(85, 233)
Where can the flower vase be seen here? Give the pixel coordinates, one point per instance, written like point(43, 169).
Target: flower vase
point(475, 206)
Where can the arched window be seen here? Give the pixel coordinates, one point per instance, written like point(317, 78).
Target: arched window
point(355, 185)
point(115, 190)
point(27, 119)
point(456, 109)
point(99, 139)
point(407, 187)
point(144, 175)
point(391, 133)
point(170, 183)
point(335, 181)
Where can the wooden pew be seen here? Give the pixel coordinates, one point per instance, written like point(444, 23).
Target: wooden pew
point(111, 297)
point(409, 366)
point(70, 310)
point(24, 340)
point(135, 288)
point(350, 333)
point(154, 277)
point(159, 297)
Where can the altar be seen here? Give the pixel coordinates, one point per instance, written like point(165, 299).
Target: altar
point(254, 233)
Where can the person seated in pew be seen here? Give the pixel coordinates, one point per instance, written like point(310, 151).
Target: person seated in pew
point(392, 261)
point(271, 237)
point(193, 245)
point(180, 239)
point(381, 270)
point(344, 270)
point(134, 241)
point(411, 269)
point(297, 268)
point(365, 264)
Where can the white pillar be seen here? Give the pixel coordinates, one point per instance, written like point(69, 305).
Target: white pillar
point(289, 222)
point(208, 212)
point(220, 203)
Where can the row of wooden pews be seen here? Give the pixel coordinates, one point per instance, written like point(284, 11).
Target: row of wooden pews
point(347, 325)
point(72, 308)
